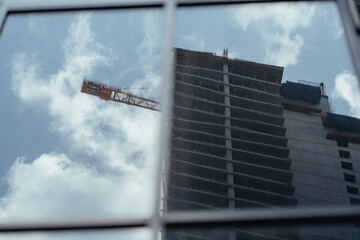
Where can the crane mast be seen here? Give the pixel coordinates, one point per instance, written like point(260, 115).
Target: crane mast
point(117, 95)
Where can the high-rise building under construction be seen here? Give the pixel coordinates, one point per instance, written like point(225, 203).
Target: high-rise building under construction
point(243, 139)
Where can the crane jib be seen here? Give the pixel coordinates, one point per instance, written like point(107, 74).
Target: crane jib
point(116, 94)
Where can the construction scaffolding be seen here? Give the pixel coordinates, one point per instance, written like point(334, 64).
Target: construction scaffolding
point(228, 140)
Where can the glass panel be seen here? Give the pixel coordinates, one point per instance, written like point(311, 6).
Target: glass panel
point(141, 233)
point(349, 231)
point(263, 93)
point(65, 152)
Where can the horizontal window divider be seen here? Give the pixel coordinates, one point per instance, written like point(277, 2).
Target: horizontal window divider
point(74, 225)
point(234, 118)
point(228, 138)
point(218, 218)
point(70, 6)
point(260, 217)
point(199, 3)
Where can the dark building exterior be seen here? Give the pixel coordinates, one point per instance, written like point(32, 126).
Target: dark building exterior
point(241, 139)
point(324, 152)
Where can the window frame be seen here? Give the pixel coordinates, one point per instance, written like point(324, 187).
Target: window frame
point(344, 154)
point(247, 217)
point(341, 143)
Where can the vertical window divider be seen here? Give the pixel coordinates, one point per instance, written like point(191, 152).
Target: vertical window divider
point(167, 92)
point(160, 219)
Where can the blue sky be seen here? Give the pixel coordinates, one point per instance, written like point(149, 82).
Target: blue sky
point(63, 152)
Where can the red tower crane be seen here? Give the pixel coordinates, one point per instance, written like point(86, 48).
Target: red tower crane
point(117, 95)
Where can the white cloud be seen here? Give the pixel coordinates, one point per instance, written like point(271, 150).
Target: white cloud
point(195, 41)
point(149, 55)
point(277, 26)
point(121, 139)
point(347, 89)
point(52, 186)
point(338, 28)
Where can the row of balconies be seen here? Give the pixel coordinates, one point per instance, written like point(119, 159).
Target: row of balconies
point(236, 132)
point(198, 115)
point(243, 113)
point(197, 71)
point(202, 93)
point(260, 159)
point(199, 233)
point(211, 199)
point(266, 73)
point(239, 166)
point(204, 137)
point(216, 86)
point(247, 82)
point(188, 100)
point(192, 102)
point(238, 154)
point(256, 106)
point(248, 121)
point(175, 204)
point(246, 134)
point(236, 79)
point(222, 233)
point(205, 83)
point(207, 189)
point(269, 233)
point(193, 145)
point(276, 184)
point(258, 126)
point(261, 148)
point(256, 96)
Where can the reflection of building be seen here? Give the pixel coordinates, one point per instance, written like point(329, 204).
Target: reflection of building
point(241, 139)
point(323, 152)
point(357, 2)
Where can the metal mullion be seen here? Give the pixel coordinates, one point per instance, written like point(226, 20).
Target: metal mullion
point(263, 217)
point(218, 218)
point(351, 24)
point(12, 7)
point(74, 226)
point(167, 90)
point(38, 6)
point(199, 3)
point(187, 219)
point(3, 13)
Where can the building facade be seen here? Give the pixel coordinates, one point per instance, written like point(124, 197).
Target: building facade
point(241, 139)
